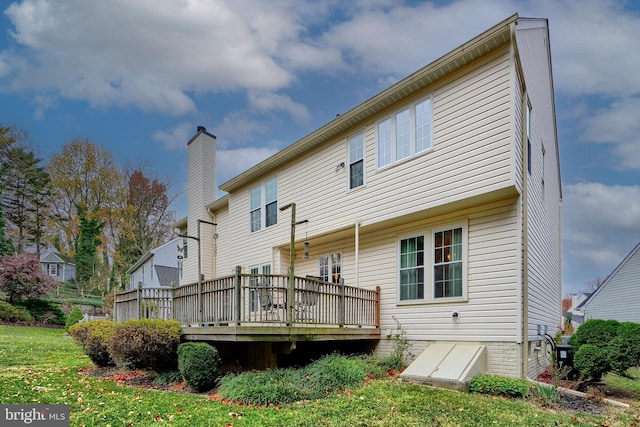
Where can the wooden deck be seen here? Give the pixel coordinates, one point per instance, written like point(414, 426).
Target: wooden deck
point(259, 308)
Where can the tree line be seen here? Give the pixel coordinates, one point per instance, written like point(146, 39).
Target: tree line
point(81, 204)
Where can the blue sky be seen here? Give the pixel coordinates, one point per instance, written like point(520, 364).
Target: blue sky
point(138, 77)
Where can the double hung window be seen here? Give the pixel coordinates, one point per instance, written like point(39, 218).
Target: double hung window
point(412, 268)
point(263, 212)
point(447, 263)
point(356, 160)
point(436, 264)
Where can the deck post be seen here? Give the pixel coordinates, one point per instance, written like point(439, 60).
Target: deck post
point(139, 300)
point(238, 286)
point(377, 314)
point(341, 304)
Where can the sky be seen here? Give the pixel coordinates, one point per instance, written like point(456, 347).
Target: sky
point(138, 77)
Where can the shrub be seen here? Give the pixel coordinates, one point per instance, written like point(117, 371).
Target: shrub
point(44, 311)
point(199, 364)
point(275, 386)
point(74, 317)
point(146, 344)
point(94, 337)
point(596, 332)
point(12, 313)
point(591, 361)
point(624, 350)
point(332, 373)
point(499, 386)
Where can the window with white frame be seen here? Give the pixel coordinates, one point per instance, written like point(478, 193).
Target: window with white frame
point(439, 260)
point(448, 263)
point(405, 133)
point(330, 267)
point(356, 160)
point(53, 269)
point(266, 213)
point(255, 280)
point(412, 268)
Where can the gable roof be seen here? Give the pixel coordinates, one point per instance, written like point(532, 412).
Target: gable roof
point(586, 302)
point(167, 276)
point(495, 37)
point(55, 258)
point(149, 255)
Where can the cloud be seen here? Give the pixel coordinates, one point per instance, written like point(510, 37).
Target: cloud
point(600, 226)
point(618, 125)
point(149, 54)
point(230, 163)
point(177, 137)
point(594, 46)
point(237, 128)
point(268, 101)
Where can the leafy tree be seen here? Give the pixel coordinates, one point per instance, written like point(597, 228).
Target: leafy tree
point(86, 257)
point(21, 276)
point(143, 220)
point(83, 174)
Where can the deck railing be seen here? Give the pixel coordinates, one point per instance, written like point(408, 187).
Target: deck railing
point(255, 299)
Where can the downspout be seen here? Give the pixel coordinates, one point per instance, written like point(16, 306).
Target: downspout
point(357, 261)
point(524, 330)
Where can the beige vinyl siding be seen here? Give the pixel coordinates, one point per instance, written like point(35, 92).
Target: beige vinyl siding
point(489, 314)
point(618, 299)
point(543, 201)
point(254, 248)
point(471, 156)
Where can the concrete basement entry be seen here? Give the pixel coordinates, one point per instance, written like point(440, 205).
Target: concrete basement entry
point(448, 365)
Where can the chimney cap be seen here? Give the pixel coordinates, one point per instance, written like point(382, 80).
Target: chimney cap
point(202, 129)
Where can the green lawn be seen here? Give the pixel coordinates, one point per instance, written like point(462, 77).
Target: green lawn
point(42, 366)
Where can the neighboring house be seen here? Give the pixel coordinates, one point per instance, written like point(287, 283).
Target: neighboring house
point(618, 298)
point(58, 266)
point(443, 189)
point(577, 316)
point(158, 268)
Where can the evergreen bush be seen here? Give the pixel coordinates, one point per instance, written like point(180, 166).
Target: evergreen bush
point(146, 344)
point(199, 365)
point(74, 317)
point(44, 311)
point(94, 337)
point(12, 313)
point(591, 361)
point(595, 331)
point(624, 350)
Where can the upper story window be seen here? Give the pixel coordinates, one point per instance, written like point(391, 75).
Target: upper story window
point(405, 133)
point(356, 160)
point(264, 212)
point(185, 247)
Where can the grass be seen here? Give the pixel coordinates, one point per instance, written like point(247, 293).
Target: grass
point(42, 366)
